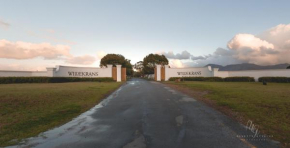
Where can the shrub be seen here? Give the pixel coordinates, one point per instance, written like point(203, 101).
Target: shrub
point(275, 79)
point(214, 79)
point(187, 78)
point(173, 78)
point(192, 78)
point(239, 79)
point(9, 80)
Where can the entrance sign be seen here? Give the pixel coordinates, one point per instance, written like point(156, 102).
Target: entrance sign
point(189, 73)
point(83, 74)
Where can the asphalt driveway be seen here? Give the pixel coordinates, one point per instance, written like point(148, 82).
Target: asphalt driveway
point(149, 114)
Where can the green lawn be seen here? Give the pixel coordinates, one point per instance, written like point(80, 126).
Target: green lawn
point(29, 109)
point(267, 106)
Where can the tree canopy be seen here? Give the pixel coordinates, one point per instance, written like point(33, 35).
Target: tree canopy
point(117, 59)
point(151, 60)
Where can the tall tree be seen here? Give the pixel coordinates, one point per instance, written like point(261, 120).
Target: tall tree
point(151, 60)
point(117, 59)
point(138, 66)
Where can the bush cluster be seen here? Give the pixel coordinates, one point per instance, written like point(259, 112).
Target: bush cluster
point(215, 79)
point(275, 79)
point(9, 80)
point(239, 79)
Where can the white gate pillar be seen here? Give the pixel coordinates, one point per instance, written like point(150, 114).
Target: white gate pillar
point(119, 67)
point(158, 72)
point(166, 72)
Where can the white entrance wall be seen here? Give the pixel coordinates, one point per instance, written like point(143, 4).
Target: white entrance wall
point(208, 72)
point(65, 71)
point(158, 71)
point(69, 71)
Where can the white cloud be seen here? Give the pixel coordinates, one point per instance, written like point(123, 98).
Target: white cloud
point(22, 67)
point(4, 25)
point(18, 51)
point(82, 60)
point(198, 58)
point(51, 35)
point(181, 56)
point(279, 30)
point(175, 63)
point(25, 50)
point(51, 31)
point(252, 49)
point(268, 48)
point(248, 41)
point(220, 56)
point(278, 35)
point(101, 54)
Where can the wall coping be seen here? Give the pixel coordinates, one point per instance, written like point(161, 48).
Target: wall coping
point(254, 70)
point(79, 67)
point(20, 71)
point(188, 67)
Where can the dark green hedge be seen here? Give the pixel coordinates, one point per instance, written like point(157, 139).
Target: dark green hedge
point(275, 79)
point(239, 79)
point(215, 79)
point(8, 80)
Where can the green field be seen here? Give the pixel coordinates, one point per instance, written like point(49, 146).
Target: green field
point(267, 106)
point(29, 109)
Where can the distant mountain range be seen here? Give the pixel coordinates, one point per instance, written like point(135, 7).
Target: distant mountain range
point(247, 66)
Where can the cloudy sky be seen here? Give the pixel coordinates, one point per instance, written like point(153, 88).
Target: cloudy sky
point(37, 34)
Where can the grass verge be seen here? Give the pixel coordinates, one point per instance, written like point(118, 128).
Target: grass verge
point(29, 109)
point(267, 106)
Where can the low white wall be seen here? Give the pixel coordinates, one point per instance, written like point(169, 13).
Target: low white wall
point(261, 73)
point(63, 71)
point(188, 72)
point(253, 73)
point(207, 72)
point(222, 74)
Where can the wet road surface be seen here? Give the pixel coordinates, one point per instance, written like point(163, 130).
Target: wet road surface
point(149, 114)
